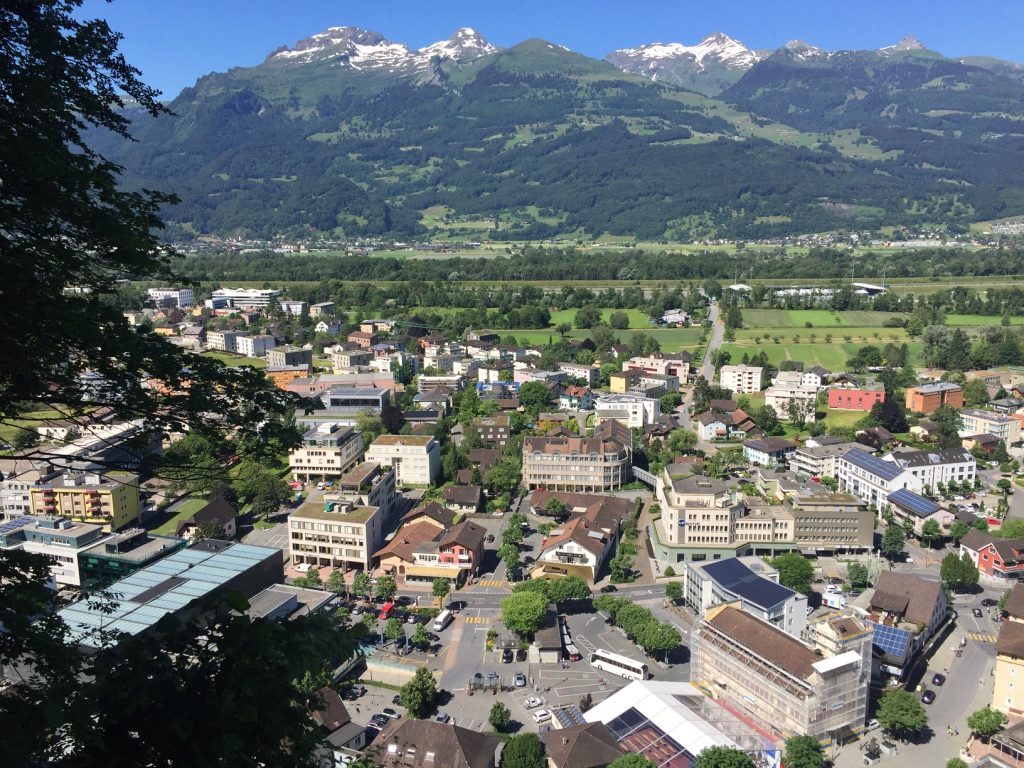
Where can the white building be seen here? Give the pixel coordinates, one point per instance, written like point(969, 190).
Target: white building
point(182, 297)
point(327, 452)
point(752, 583)
point(975, 422)
point(633, 411)
point(779, 397)
point(58, 538)
point(242, 298)
point(934, 467)
point(416, 459)
point(819, 460)
point(741, 379)
point(255, 346)
point(227, 341)
point(293, 307)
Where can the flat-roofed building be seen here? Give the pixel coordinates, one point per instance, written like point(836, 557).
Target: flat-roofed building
point(348, 359)
point(243, 298)
point(356, 398)
point(122, 554)
point(416, 459)
point(111, 500)
point(928, 398)
point(289, 357)
point(741, 379)
point(603, 462)
point(778, 678)
point(57, 538)
point(182, 298)
point(225, 341)
point(329, 534)
point(633, 411)
point(367, 484)
point(326, 453)
point(1002, 427)
point(819, 460)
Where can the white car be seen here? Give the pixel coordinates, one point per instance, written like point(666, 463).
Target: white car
point(541, 716)
point(533, 702)
point(832, 589)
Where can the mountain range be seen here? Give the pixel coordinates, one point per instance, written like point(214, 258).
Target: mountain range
point(346, 132)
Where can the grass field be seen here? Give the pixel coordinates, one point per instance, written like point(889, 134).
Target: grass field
point(235, 360)
point(188, 508)
point(818, 318)
point(670, 339)
point(980, 320)
point(637, 318)
point(11, 428)
point(832, 356)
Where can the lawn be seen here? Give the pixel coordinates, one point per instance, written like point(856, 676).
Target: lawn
point(818, 318)
point(235, 360)
point(980, 320)
point(188, 508)
point(832, 356)
point(11, 428)
point(867, 334)
point(670, 339)
point(637, 318)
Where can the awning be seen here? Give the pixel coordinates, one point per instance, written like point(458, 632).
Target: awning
point(432, 571)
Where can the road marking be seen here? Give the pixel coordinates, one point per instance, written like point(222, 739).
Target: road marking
point(479, 619)
point(491, 583)
point(982, 637)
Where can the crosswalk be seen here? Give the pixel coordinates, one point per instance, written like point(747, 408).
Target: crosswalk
point(479, 619)
point(982, 637)
point(491, 583)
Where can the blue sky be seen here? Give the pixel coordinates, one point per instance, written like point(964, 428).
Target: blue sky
point(174, 42)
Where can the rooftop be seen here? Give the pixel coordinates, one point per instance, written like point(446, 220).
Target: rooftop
point(743, 582)
point(317, 510)
point(887, 470)
point(397, 440)
point(764, 640)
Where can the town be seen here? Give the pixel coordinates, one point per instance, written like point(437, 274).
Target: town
point(625, 549)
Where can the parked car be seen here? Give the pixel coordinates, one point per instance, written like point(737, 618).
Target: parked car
point(396, 699)
point(976, 612)
point(988, 602)
point(442, 717)
point(928, 697)
point(521, 654)
point(380, 720)
point(938, 679)
point(541, 716)
point(507, 656)
point(609, 588)
point(873, 724)
point(489, 538)
point(519, 680)
point(392, 713)
point(412, 618)
point(533, 702)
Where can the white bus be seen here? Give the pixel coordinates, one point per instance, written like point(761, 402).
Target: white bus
point(444, 618)
point(618, 665)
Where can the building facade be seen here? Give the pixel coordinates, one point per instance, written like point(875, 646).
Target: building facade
point(584, 464)
point(182, 298)
point(975, 422)
point(110, 501)
point(416, 459)
point(741, 379)
point(327, 452)
point(928, 398)
point(851, 399)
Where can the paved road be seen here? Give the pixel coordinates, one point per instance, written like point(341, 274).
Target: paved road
point(707, 370)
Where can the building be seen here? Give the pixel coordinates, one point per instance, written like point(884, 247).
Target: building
point(741, 379)
point(819, 460)
point(853, 399)
point(998, 559)
point(122, 554)
point(292, 307)
point(631, 411)
point(906, 613)
point(322, 309)
point(872, 479)
point(427, 383)
point(834, 632)
point(909, 507)
point(937, 467)
point(111, 500)
point(493, 430)
point(16, 491)
point(735, 423)
point(576, 398)
point(831, 522)
point(464, 499)
point(327, 452)
point(751, 584)
point(329, 534)
point(347, 359)
point(588, 745)
point(57, 538)
point(428, 546)
point(798, 398)
point(362, 339)
point(177, 584)
point(769, 451)
point(585, 464)
point(255, 346)
point(677, 365)
point(928, 398)
point(289, 357)
point(182, 298)
point(356, 399)
point(777, 678)
point(672, 723)
point(411, 743)
point(580, 546)
point(416, 459)
point(975, 422)
point(366, 485)
point(243, 298)
point(589, 374)
point(218, 513)
point(226, 341)
point(1009, 669)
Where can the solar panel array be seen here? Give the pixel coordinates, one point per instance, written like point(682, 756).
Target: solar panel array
point(891, 640)
point(198, 572)
point(885, 469)
point(10, 526)
point(736, 577)
point(910, 501)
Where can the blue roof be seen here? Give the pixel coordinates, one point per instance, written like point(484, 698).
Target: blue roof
point(912, 503)
point(139, 601)
point(890, 640)
point(744, 583)
point(887, 470)
point(15, 524)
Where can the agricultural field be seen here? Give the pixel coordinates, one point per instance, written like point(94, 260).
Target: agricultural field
point(977, 321)
point(670, 339)
point(818, 318)
point(832, 356)
point(637, 318)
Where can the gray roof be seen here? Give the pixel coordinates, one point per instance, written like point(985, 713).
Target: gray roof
point(887, 470)
point(909, 459)
point(736, 577)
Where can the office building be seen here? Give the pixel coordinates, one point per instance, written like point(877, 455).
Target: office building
point(632, 411)
point(335, 535)
point(416, 459)
point(182, 298)
point(243, 298)
point(255, 346)
point(289, 357)
point(326, 453)
point(928, 398)
point(122, 554)
point(225, 341)
point(603, 462)
point(57, 538)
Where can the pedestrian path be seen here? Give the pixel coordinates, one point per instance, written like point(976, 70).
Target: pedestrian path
point(982, 637)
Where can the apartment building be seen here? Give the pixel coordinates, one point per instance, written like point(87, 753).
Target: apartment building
point(831, 522)
point(356, 398)
point(590, 374)
point(819, 460)
point(928, 398)
point(493, 430)
point(666, 365)
point(322, 309)
point(416, 459)
point(333, 534)
point(243, 298)
point(999, 559)
point(182, 298)
point(750, 584)
point(784, 397)
point(426, 547)
point(348, 359)
point(1009, 669)
point(853, 399)
point(741, 379)
point(226, 341)
point(775, 677)
point(110, 501)
point(769, 451)
point(872, 479)
point(976, 422)
point(289, 357)
point(906, 612)
point(57, 538)
point(292, 307)
point(255, 346)
point(362, 339)
point(586, 464)
point(326, 453)
point(427, 383)
point(632, 411)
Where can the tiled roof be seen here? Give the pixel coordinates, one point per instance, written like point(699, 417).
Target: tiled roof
point(765, 640)
point(920, 595)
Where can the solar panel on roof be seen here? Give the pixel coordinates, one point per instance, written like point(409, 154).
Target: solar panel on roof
point(13, 525)
point(911, 502)
point(885, 469)
point(891, 640)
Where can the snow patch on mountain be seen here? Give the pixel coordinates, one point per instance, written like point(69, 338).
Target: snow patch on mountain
point(906, 44)
point(466, 43)
point(717, 47)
